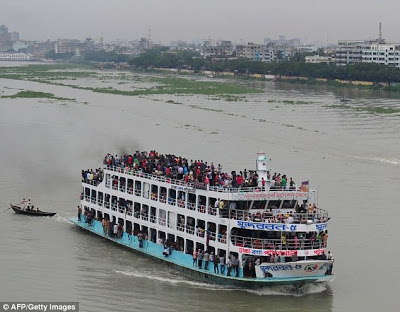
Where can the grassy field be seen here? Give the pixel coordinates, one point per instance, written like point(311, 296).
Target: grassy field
point(35, 95)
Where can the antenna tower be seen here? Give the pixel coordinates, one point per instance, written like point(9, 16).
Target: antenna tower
point(380, 33)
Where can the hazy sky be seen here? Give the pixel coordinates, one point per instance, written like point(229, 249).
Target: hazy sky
point(252, 20)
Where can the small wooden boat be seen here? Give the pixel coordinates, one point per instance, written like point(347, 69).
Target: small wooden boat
point(343, 99)
point(31, 212)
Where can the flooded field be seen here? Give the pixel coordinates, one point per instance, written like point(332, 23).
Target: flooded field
point(53, 123)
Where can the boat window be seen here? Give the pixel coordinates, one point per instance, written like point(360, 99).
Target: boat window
point(153, 235)
point(144, 212)
point(154, 192)
point(114, 181)
point(199, 246)
point(171, 196)
point(189, 247)
point(274, 204)
point(136, 210)
point(128, 227)
point(221, 252)
point(161, 236)
point(153, 214)
point(180, 243)
point(290, 204)
point(163, 194)
point(146, 190)
point(212, 230)
point(122, 184)
point(100, 199)
point(162, 217)
point(130, 186)
point(138, 188)
point(181, 199)
point(136, 228)
point(171, 219)
point(181, 222)
point(108, 180)
point(221, 237)
point(190, 225)
point(107, 202)
point(171, 238)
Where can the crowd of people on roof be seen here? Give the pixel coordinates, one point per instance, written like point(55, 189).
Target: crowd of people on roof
point(180, 168)
point(95, 176)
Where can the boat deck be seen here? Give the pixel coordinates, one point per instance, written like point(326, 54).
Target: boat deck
point(184, 262)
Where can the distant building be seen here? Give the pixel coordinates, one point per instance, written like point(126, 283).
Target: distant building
point(67, 46)
point(15, 57)
point(367, 51)
point(14, 36)
point(256, 52)
point(316, 59)
point(382, 53)
point(223, 48)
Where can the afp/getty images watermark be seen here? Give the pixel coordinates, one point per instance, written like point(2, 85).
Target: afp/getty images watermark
point(39, 306)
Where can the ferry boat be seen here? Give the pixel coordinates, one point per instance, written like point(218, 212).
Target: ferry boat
point(255, 230)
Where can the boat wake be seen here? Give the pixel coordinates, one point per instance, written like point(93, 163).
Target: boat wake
point(306, 289)
point(173, 281)
point(387, 161)
point(265, 291)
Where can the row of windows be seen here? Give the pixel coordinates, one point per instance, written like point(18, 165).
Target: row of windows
point(159, 237)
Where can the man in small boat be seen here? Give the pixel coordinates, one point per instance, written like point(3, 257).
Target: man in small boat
point(23, 204)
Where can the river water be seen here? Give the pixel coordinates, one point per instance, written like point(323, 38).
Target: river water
point(351, 157)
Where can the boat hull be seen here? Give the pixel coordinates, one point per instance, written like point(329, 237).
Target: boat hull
point(183, 262)
point(18, 210)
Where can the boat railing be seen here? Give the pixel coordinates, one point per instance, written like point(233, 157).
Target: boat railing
point(212, 235)
point(154, 196)
point(181, 203)
point(200, 232)
point(277, 244)
point(172, 201)
point(114, 207)
point(221, 238)
point(201, 208)
point(107, 205)
point(180, 227)
point(212, 210)
point(163, 198)
point(189, 229)
point(130, 190)
point(191, 206)
point(138, 192)
point(144, 216)
point(318, 215)
point(153, 219)
point(162, 222)
point(220, 189)
point(122, 188)
point(154, 177)
point(91, 182)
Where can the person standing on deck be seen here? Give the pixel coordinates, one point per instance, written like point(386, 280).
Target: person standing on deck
point(222, 263)
point(195, 257)
point(140, 239)
point(79, 213)
point(229, 265)
point(200, 257)
point(206, 260)
point(115, 230)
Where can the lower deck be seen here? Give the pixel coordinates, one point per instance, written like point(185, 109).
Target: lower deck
point(184, 262)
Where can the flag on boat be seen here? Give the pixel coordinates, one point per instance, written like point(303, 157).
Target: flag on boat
point(304, 186)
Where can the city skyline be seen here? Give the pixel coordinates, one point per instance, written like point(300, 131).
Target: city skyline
point(180, 20)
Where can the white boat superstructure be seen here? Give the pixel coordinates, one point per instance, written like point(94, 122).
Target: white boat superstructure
point(270, 232)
